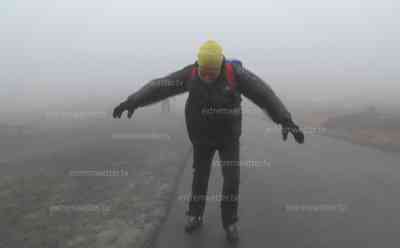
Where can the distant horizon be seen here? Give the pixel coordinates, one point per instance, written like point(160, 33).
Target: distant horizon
point(54, 52)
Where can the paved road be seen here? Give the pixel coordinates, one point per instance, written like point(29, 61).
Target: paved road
point(324, 193)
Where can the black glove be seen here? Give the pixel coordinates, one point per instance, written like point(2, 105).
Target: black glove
point(289, 126)
point(121, 108)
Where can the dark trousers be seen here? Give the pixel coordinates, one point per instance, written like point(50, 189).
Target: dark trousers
point(202, 158)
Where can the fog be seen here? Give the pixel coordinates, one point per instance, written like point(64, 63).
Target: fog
point(73, 176)
point(56, 52)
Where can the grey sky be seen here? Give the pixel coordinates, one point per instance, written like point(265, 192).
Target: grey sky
point(50, 47)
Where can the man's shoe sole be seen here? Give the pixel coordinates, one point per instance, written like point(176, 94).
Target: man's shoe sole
point(232, 238)
point(193, 228)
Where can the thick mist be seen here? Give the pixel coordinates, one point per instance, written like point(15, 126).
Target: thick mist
point(58, 53)
point(73, 176)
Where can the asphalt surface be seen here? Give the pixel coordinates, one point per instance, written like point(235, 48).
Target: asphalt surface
point(323, 193)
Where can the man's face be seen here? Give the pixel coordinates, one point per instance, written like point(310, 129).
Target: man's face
point(209, 74)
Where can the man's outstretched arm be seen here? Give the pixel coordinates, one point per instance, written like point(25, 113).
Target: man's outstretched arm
point(155, 91)
point(260, 93)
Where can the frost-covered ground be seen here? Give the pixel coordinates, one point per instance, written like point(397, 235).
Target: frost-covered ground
point(92, 183)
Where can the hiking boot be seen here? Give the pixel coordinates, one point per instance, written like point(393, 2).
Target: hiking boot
point(193, 223)
point(232, 233)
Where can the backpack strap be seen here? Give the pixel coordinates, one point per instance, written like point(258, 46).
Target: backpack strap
point(230, 74)
point(194, 72)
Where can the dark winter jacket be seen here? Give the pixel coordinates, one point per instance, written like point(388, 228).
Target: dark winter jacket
point(213, 112)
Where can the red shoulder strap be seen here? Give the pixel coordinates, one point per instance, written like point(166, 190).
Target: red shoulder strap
point(230, 74)
point(194, 73)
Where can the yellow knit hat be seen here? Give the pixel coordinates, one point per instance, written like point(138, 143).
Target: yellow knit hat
point(210, 54)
